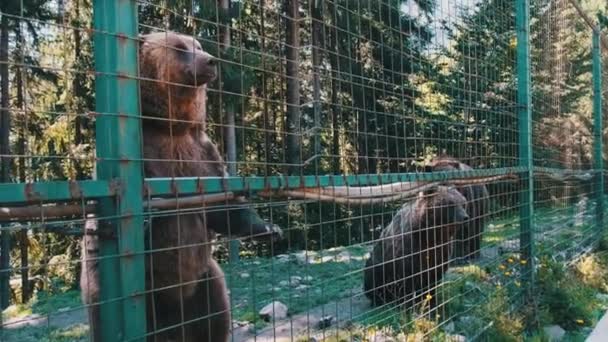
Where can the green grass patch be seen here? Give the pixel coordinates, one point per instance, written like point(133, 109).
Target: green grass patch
point(329, 276)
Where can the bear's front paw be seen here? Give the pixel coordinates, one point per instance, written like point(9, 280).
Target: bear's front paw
point(274, 232)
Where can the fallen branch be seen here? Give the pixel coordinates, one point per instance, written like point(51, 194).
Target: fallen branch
point(54, 211)
point(563, 177)
point(366, 195)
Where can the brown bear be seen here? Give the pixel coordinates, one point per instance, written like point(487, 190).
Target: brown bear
point(413, 251)
point(467, 245)
point(187, 298)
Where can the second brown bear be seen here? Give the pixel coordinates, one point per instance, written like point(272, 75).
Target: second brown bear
point(467, 245)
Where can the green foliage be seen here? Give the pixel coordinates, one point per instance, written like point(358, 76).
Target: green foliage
point(565, 299)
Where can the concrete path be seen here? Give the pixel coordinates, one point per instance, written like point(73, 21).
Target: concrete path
point(600, 332)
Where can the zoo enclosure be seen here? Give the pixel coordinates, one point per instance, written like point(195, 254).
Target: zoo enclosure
point(367, 88)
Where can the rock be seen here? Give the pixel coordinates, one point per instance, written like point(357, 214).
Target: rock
point(295, 281)
point(449, 327)
point(274, 311)
point(509, 246)
point(489, 252)
point(325, 322)
point(327, 258)
point(344, 257)
point(244, 275)
point(284, 283)
point(305, 257)
point(282, 258)
point(275, 289)
point(307, 279)
point(554, 332)
point(240, 323)
point(302, 287)
point(456, 338)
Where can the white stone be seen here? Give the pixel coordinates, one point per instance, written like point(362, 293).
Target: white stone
point(302, 287)
point(305, 257)
point(244, 275)
point(554, 332)
point(274, 311)
point(344, 257)
point(456, 338)
point(328, 258)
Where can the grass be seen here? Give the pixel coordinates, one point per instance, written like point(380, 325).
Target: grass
point(45, 304)
point(482, 297)
point(321, 279)
point(74, 333)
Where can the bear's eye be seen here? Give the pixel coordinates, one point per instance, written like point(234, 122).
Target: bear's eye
point(181, 47)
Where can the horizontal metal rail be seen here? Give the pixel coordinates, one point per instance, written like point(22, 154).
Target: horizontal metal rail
point(44, 192)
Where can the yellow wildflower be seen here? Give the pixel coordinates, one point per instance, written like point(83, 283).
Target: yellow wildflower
point(510, 261)
point(580, 321)
point(507, 273)
point(501, 266)
point(523, 261)
point(518, 284)
point(429, 297)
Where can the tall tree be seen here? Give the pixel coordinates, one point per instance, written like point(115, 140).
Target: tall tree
point(229, 128)
point(5, 130)
point(292, 45)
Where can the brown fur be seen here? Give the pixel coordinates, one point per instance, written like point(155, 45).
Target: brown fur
point(414, 249)
point(89, 277)
point(181, 149)
point(467, 245)
point(183, 280)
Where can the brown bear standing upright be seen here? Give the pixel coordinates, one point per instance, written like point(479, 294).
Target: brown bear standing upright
point(467, 245)
point(188, 285)
point(187, 298)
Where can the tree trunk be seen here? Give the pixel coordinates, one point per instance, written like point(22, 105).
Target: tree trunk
point(267, 124)
point(229, 129)
point(292, 44)
point(317, 40)
point(5, 128)
point(335, 88)
point(77, 85)
point(23, 240)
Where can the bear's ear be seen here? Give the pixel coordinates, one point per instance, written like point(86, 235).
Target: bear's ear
point(455, 163)
point(428, 192)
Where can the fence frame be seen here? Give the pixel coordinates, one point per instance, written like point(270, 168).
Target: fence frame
point(121, 188)
point(598, 127)
point(524, 114)
point(121, 263)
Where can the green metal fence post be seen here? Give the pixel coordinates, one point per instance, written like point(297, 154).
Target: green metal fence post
point(597, 127)
point(118, 139)
point(525, 137)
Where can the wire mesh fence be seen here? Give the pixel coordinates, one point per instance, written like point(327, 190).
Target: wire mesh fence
point(293, 170)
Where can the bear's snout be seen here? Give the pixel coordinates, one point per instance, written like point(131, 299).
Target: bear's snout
point(206, 68)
